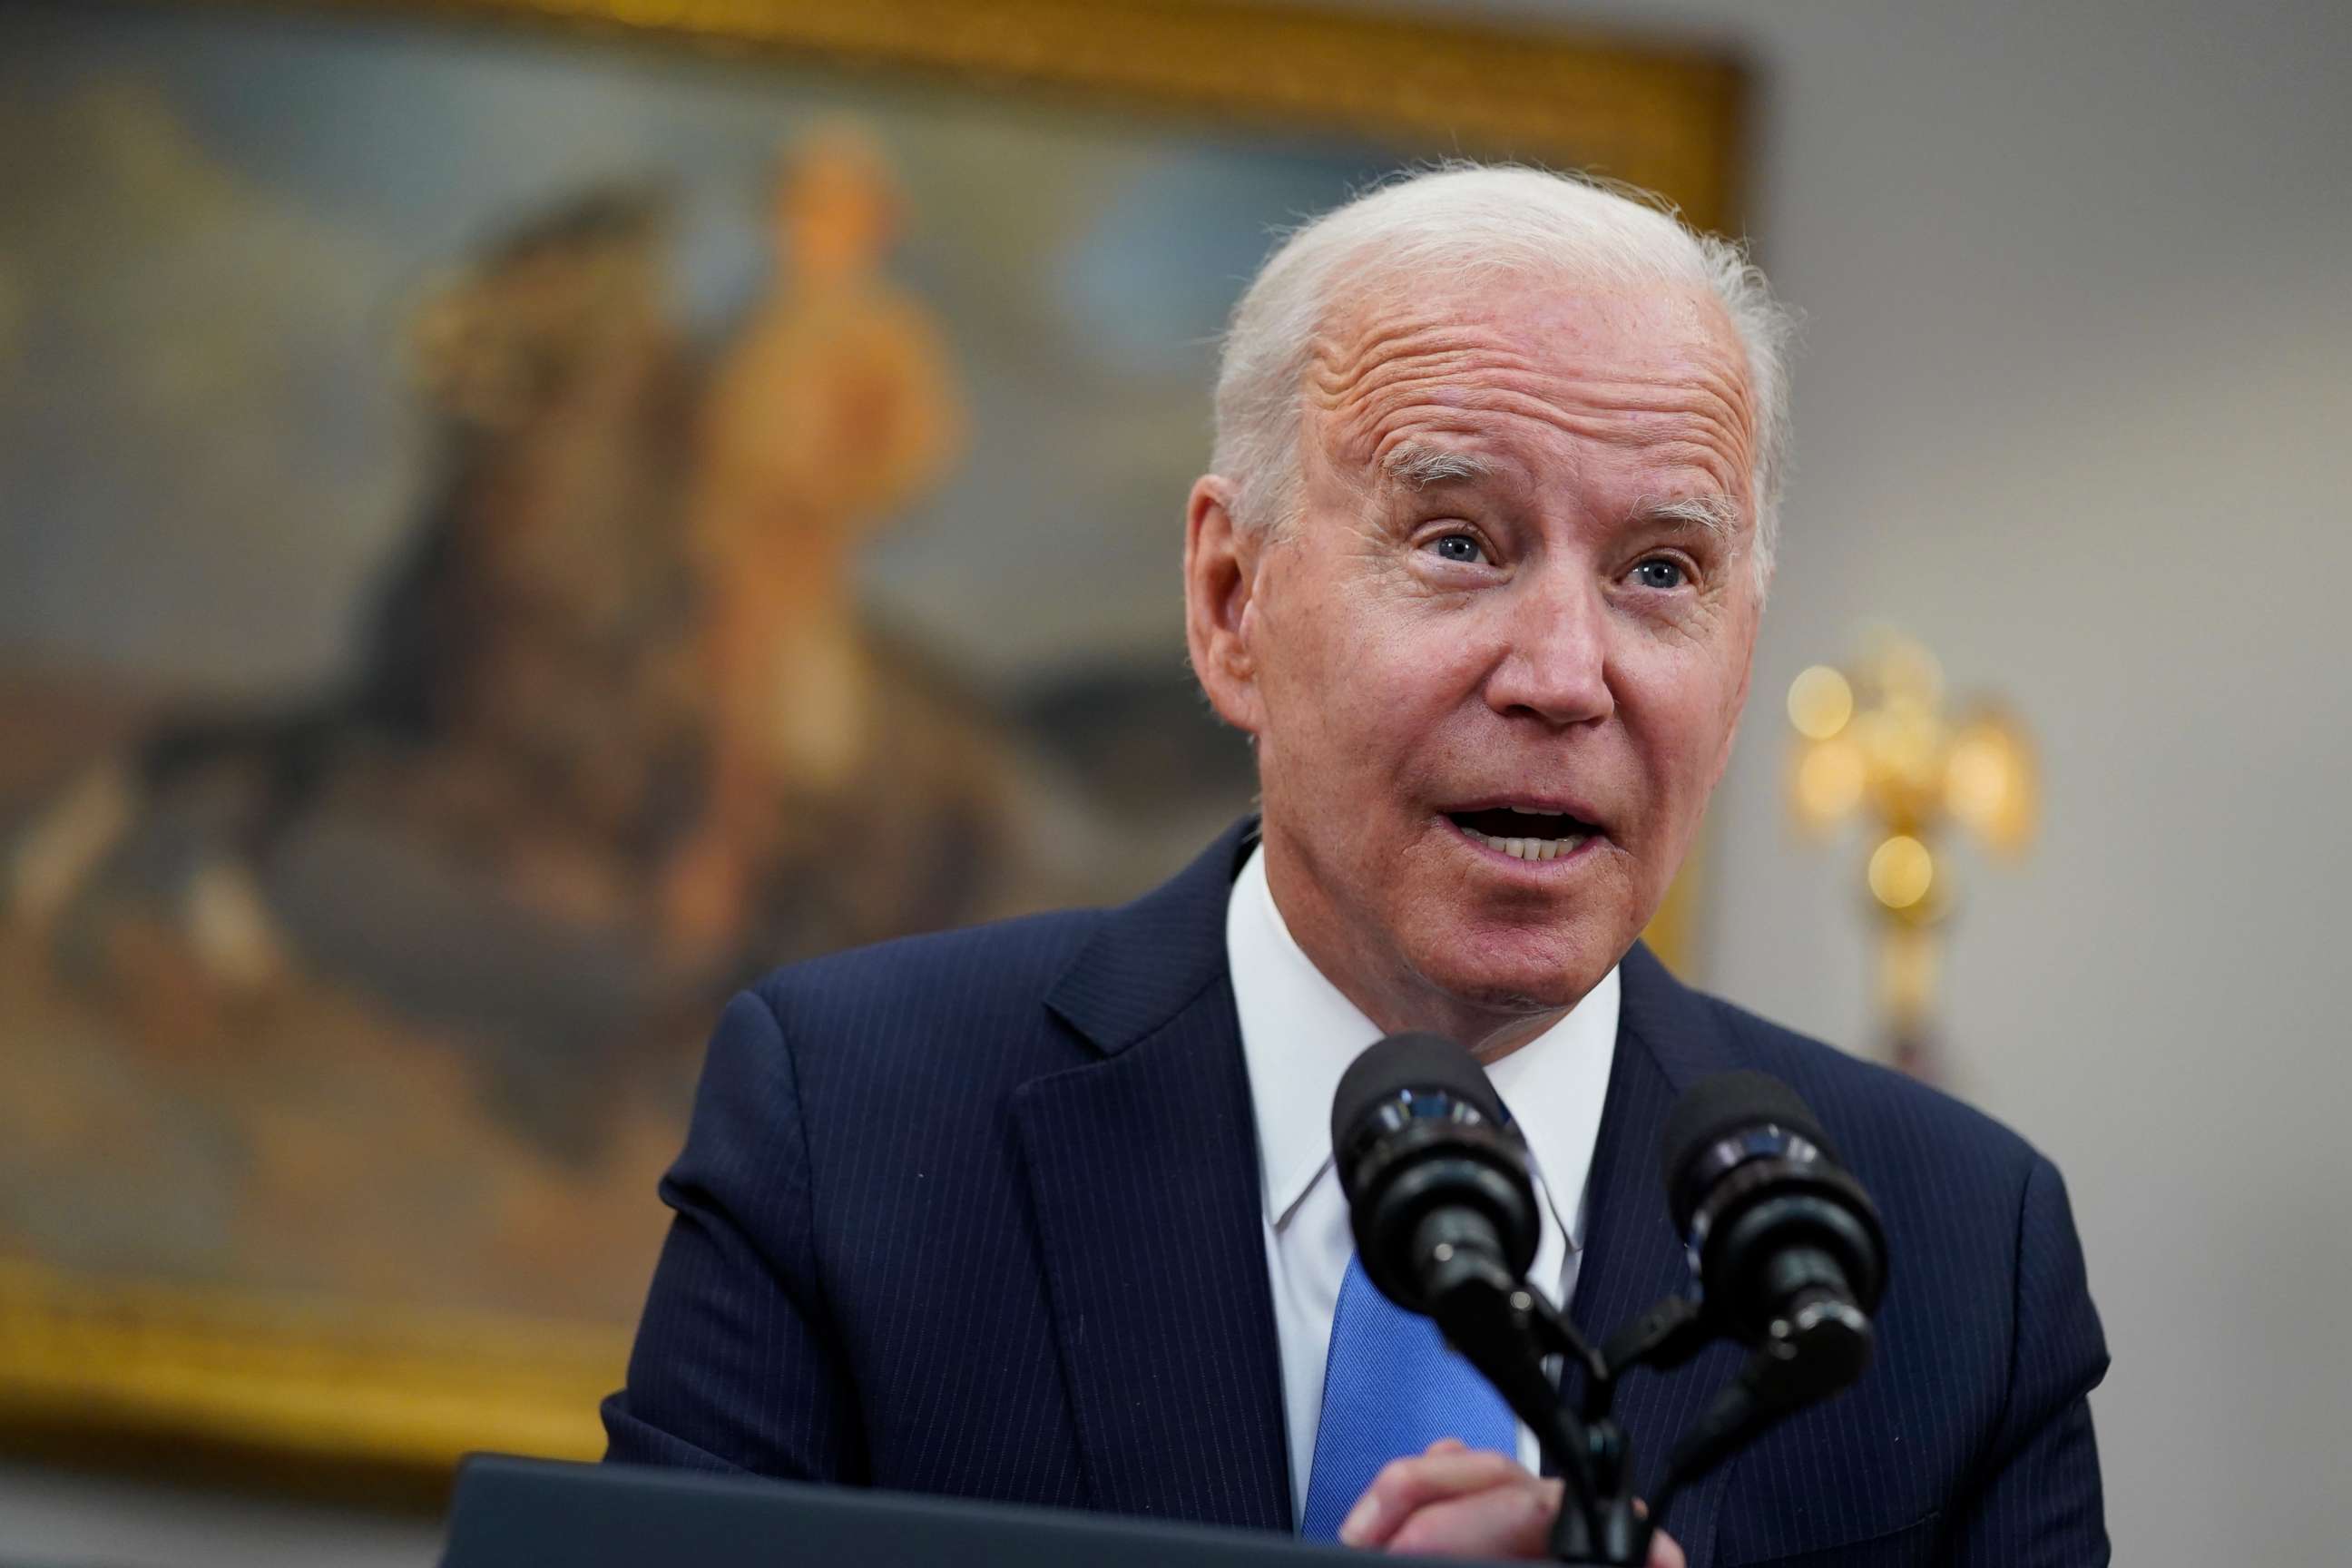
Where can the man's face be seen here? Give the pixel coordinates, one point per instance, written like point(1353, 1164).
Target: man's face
point(1494, 667)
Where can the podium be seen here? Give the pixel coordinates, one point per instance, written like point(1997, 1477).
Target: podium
point(509, 1512)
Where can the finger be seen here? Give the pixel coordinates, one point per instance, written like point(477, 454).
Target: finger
point(1665, 1551)
point(1513, 1520)
point(1404, 1485)
point(1447, 1446)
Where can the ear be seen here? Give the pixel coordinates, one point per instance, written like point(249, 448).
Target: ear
point(1220, 586)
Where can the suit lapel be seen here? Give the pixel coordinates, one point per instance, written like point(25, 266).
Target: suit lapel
point(1666, 1038)
point(1143, 1173)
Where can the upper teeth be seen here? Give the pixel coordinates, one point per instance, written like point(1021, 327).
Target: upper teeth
point(1530, 848)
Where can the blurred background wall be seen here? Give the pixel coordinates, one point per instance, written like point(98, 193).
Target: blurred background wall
point(2070, 407)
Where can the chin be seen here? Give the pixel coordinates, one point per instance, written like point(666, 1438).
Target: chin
point(1556, 974)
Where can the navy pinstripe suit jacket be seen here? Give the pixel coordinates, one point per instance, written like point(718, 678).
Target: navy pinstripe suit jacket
point(978, 1214)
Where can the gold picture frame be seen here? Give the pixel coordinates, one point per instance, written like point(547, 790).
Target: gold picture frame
point(1668, 119)
point(315, 1395)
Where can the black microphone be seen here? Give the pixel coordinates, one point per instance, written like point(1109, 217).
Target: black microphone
point(1436, 1178)
point(1789, 1250)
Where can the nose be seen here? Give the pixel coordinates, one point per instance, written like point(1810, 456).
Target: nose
point(1554, 661)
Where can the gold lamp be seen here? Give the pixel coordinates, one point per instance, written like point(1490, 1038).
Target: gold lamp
point(1879, 745)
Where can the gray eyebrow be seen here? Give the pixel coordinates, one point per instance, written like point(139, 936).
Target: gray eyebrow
point(1720, 515)
point(1422, 466)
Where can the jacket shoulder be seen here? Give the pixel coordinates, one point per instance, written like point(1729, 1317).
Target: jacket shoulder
point(969, 993)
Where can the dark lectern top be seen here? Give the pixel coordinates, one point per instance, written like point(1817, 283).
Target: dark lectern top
point(511, 1512)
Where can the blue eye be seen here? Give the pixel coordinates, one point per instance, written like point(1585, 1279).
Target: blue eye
point(1659, 572)
point(1460, 548)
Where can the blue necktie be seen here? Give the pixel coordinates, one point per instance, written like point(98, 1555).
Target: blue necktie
point(1390, 1388)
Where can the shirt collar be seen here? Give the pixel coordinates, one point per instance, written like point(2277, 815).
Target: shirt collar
point(1299, 1034)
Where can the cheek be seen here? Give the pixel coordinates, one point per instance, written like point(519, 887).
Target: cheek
point(1330, 727)
point(1410, 693)
point(1348, 678)
point(1681, 704)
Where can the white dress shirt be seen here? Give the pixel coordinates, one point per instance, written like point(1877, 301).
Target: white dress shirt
point(1298, 1034)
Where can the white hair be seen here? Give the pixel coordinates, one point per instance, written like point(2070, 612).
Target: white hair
point(1466, 220)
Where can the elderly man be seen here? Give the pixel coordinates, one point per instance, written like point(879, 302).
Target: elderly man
point(1046, 1212)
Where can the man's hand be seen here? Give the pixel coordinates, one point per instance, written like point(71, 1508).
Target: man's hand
point(1458, 1502)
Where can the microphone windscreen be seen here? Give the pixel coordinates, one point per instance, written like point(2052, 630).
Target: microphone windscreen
point(1719, 1106)
point(1420, 1062)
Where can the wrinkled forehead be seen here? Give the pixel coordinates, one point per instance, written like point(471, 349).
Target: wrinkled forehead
point(1485, 357)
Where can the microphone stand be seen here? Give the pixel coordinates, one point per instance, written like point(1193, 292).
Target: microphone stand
point(1511, 1334)
point(1437, 1179)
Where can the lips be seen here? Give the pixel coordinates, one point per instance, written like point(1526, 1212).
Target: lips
point(1526, 831)
point(1524, 822)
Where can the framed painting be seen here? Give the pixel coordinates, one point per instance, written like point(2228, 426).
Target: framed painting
point(520, 514)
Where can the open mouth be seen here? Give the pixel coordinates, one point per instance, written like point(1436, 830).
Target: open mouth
point(1525, 833)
